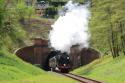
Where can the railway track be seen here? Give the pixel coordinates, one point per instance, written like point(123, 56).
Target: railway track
point(80, 78)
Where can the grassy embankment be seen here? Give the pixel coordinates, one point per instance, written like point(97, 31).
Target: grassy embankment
point(104, 14)
point(106, 69)
point(14, 70)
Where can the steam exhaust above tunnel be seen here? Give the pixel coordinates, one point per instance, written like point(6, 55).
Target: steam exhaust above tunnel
point(71, 28)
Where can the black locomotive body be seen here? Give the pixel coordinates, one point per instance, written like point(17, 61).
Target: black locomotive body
point(60, 62)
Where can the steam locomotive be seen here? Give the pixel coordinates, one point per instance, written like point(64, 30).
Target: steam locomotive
point(60, 62)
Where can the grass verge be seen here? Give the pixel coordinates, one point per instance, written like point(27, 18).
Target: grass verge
point(106, 69)
point(14, 70)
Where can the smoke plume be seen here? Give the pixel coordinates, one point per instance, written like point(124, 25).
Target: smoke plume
point(71, 28)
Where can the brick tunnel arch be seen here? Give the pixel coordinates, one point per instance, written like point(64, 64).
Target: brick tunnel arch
point(78, 58)
point(83, 56)
point(36, 55)
point(40, 54)
point(88, 55)
point(26, 54)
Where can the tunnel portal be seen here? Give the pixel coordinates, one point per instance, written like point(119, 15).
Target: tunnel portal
point(40, 53)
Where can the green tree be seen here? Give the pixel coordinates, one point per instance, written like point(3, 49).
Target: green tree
point(105, 27)
point(10, 30)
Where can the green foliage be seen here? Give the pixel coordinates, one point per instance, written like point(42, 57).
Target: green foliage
point(106, 69)
point(23, 10)
point(12, 34)
point(2, 12)
point(63, 0)
point(101, 21)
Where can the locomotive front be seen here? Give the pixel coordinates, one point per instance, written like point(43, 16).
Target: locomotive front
point(64, 63)
point(60, 61)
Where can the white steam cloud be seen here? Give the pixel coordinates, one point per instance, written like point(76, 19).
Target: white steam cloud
point(71, 28)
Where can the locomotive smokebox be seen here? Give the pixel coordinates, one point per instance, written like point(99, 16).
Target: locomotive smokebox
point(60, 61)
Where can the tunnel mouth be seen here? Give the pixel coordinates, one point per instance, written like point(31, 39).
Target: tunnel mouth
point(39, 56)
point(58, 61)
point(46, 66)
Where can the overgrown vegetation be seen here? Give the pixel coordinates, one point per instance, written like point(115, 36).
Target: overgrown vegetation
point(17, 24)
point(61, 0)
point(10, 28)
point(107, 26)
